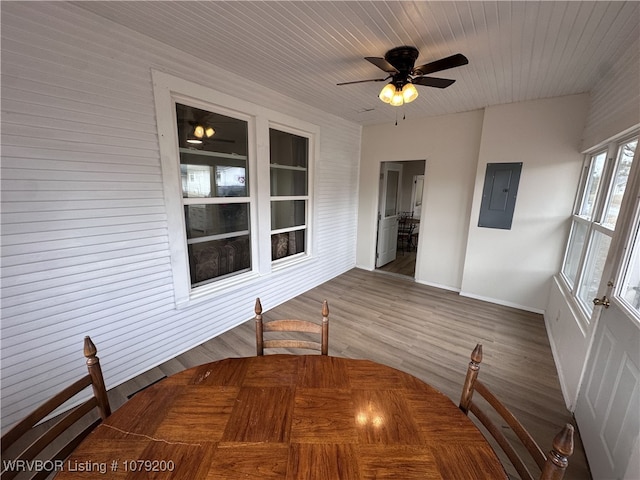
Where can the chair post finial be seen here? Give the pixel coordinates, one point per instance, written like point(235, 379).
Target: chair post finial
point(97, 380)
point(557, 459)
point(472, 374)
point(259, 332)
point(325, 328)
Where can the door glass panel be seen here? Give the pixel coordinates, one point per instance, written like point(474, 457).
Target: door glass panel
point(619, 184)
point(574, 251)
point(390, 208)
point(594, 266)
point(594, 177)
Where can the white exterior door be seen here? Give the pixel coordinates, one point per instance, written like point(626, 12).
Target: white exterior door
point(608, 405)
point(388, 205)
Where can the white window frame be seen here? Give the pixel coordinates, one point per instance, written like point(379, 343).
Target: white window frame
point(169, 90)
point(285, 261)
point(584, 311)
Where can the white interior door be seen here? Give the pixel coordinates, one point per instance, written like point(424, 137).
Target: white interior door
point(388, 205)
point(608, 405)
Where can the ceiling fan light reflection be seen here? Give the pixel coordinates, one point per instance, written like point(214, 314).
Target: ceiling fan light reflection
point(387, 93)
point(194, 140)
point(209, 132)
point(198, 132)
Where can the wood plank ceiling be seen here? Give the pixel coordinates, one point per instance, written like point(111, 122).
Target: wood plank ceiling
point(517, 51)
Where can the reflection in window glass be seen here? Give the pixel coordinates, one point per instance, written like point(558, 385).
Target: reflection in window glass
point(214, 171)
point(630, 289)
point(594, 266)
point(619, 184)
point(574, 251)
point(287, 213)
point(219, 219)
point(285, 244)
point(588, 204)
point(218, 258)
point(289, 161)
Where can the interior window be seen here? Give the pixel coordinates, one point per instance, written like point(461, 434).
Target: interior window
point(289, 162)
point(215, 193)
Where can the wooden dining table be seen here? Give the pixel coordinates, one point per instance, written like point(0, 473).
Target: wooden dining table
point(290, 417)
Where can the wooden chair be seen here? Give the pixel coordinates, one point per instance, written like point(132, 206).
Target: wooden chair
point(406, 227)
point(55, 433)
point(299, 326)
point(552, 465)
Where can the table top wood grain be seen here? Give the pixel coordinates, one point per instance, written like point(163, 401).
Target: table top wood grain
point(287, 417)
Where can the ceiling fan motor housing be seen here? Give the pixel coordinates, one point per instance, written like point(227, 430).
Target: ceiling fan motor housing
point(403, 59)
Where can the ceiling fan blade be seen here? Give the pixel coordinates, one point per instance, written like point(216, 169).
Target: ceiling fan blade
point(382, 64)
point(433, 82)
point(453, 61)
point(364, 81)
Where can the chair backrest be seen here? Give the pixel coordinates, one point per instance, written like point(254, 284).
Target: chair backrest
point(291, 325)
point(552, 465)
point(56, 432)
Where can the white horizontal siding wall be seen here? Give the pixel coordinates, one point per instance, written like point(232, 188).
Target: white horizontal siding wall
point(84, 227)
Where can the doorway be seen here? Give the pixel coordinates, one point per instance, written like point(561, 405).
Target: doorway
point(397, 197)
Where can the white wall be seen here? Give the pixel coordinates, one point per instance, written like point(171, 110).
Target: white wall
point(515, 267)
point(613, 109)
point(450, 146)
point(84, 228)
point(511, 267)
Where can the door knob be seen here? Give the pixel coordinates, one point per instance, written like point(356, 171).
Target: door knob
point(604, 301)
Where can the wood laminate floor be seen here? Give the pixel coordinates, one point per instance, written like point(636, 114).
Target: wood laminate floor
point(404, 264)
point(425, 331)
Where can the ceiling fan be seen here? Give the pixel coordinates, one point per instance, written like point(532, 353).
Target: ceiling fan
point(398, 63)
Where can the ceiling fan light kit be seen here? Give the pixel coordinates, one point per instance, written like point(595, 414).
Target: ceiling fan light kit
point(398, 63)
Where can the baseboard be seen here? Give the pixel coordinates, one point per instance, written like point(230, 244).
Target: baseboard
point(438, 285)
point(503, 303)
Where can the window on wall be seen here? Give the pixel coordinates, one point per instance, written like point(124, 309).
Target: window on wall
point(629, 291)
point(234, 208)
point(215, 193)
point(289, 183)
point(604, 181)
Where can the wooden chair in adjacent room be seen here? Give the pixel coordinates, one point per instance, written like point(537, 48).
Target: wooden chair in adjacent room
point(302, 331)
point(552, 465)
point(55, 439)
point(406, 227)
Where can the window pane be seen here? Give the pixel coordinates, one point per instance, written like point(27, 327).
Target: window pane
point(390, 208)
point(286, 244)
point(210, 220)
point(630, 291)
point(287, 213)
point(574, 251)
point(218, 258)
point(286, 182)
point(592, 186)
point(594, 266)
point(209, 177)
point(288, 149)
point(213, 153)
point(619, 184)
